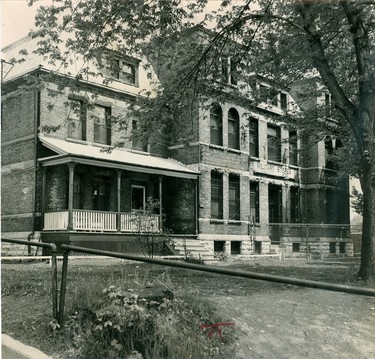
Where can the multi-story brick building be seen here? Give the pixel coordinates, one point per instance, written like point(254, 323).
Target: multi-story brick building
point(245, 182)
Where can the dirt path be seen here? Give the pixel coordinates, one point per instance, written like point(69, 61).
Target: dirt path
point(303, 323)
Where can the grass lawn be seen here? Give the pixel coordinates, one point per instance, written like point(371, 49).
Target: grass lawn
point(271, 320)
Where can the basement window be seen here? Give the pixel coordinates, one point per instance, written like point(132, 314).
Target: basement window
point(342, 247)
point(296, 247)
point(235, 247)
point(332, 247)
point(257, 247)
point(219, 246)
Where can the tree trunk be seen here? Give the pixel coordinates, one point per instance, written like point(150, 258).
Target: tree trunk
point(367, 269)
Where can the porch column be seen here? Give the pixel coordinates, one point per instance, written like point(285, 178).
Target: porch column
point(43, 199)
point(196, 206)
point(71, 166)
point(160, 202)
point(119, 172)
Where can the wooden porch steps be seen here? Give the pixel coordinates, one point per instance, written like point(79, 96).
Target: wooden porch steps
point(193, 248)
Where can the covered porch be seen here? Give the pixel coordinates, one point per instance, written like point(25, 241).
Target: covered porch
point(86, 189)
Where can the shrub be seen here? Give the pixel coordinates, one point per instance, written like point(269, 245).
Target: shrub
point(125, 325)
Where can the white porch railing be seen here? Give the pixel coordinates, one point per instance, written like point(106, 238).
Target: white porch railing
point(56, 220)
point(138, 222)
point(84, 220)
point(94, 221)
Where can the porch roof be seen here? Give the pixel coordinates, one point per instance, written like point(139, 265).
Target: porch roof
point(115, 158)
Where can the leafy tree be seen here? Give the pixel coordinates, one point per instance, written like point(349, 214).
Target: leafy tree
point(329, 41)
point(357, 201)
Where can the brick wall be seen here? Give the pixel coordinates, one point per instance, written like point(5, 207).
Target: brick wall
point(18, 152)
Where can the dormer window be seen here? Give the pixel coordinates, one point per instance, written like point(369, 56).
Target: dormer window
point(273, 97)
point(123, 70)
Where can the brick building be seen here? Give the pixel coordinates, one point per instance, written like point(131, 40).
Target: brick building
point(245, 183)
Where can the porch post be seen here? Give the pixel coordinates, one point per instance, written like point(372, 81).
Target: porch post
point(160, 202)
point(43, 199)
point(196, 200)
point(119, 172)
point(71, 166)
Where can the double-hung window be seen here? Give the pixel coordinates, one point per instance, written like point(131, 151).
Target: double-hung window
point(254, 137)
point(234, 197)
point(233, 129)
point(102, 124)
point(216, 195)
point(293, 150)
point(254, 201)
point(274, 143)
point(76, 122)
point(216, 125)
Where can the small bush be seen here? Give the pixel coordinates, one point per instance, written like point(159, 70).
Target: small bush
point(124, 325)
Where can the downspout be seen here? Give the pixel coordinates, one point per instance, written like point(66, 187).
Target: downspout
point(36, 167)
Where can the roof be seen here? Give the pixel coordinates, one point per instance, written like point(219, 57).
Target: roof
point(27, 61)
point(116, 158)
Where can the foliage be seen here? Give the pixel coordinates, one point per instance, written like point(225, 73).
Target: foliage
point(126, 325)
point(151, 236)
point(222, 256)
point(357, 201)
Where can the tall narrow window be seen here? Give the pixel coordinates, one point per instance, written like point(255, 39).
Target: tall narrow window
point(328, 104)
point(234, 197)
point(233, 129)
point(102, 125)
point(274, 143)
point(76, 121)
point(294, 205)
point(284, 101)
point(216, 195)
point(216, 125)
point(293, 151)
point(233, 71)
point(254, 137)
point(254, 201)
point(138, 142)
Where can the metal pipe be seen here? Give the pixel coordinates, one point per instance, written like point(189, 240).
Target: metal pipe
point(54, 282)
point(231, 272)
point(64, 275)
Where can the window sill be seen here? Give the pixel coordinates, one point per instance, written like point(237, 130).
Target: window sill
point(103, 145)
point(275, 163)
point(295, 167)
point(217, 147)
point(257, 159)
point(235, 222)
point(234, 150)
point(216, 221)
point(74, 140)
point(136, 84)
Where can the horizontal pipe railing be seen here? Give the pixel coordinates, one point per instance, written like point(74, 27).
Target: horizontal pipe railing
point(53, 249)
point(231, 272)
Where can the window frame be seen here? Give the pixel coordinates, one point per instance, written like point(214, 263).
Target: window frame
point(114, 68)
point(216, 120)
point(217, 182)
point(107, 126)
point(274, 144)
point(79, 132)
point(234, 122)
point(254, 133)
point(254, 198)
point(234, 204)
point(293, 148)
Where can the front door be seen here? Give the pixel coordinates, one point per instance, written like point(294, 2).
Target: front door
point(101, 194)
point(138, 198)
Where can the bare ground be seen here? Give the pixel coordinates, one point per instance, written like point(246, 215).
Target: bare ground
point(271, 320)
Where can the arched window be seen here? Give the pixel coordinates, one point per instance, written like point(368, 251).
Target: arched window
point(233, 129)
point(216, 125)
